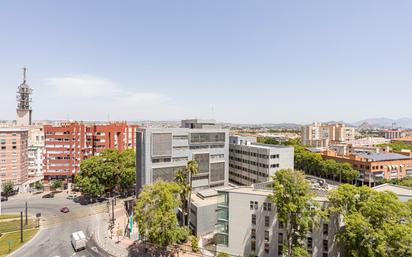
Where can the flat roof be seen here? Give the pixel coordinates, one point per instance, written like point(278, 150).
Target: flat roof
point(268, 146)
point(383, 156)
point(14, 130)
point(399, 190)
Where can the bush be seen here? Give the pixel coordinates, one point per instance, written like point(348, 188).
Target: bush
point(223, 255)
point(195, 244)
point(182, 234)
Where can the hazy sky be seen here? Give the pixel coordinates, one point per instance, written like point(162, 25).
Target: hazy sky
point(232, 60)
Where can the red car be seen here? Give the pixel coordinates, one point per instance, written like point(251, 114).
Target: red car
point(64, 210)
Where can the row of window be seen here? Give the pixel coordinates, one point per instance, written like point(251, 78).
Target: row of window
point(259, 155)
point(257, 164)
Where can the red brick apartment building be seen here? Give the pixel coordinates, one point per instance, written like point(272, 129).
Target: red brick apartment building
point(67, 144)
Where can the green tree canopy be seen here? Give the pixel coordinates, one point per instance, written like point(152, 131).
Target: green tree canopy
point(376, 223)
point(110, 171)
point(295, 208)
point(155, 213)
point(7, 188)
point(56, 184)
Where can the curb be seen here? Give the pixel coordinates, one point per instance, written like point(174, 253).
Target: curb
point(26, 243)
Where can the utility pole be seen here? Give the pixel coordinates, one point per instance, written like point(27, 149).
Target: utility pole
point(26, 214)
point(21, 226)
point(113, 211)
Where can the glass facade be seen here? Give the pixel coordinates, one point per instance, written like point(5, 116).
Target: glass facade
point(222, 226)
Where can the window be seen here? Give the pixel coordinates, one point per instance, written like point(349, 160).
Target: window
point(267, 206)
point(266, 221)
point(325, 255)
point(266, 235)
point(251, 205)
point(266, 247)
point(253, 219)
point(310, 243)
point(253, 233)
point(325, 245)
point(280, 250)
point(325, 229)
point(280, 224)
point(253, 245)
point(280, 238)
point(256, 206)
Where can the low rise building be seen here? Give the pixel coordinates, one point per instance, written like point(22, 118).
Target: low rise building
point(250, 162)
point(375, 166)
point(247, 225)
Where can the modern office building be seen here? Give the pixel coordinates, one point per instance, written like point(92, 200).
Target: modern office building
point(13, 155)
point(250, 162)
point(321, 135)
point(162, 151)
point(375, 166)
point(67, 144)
point(247, 224)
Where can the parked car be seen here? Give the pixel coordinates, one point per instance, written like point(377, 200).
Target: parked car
point(49, 195)
point(71, 197)
point(3, 199)
point(64, 210)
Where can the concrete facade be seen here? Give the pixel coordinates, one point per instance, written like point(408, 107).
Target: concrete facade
point(251, 163)
point(247, 225)
point(321, 135)
point(162, 151)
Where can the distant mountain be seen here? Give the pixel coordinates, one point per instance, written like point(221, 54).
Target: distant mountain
point(385, 123)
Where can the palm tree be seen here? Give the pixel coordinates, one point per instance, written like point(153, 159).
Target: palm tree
point(192, 168)
point(183, 178)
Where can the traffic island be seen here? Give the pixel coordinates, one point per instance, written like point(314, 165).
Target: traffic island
point(10, 232)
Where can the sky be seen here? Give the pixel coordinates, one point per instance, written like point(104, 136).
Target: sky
point(242, 61)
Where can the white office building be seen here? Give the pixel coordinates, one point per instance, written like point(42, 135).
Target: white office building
point(160, 152)
point(250, 162)
point(247, 225)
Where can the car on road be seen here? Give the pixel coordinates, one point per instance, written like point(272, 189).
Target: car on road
point(71, 197)
point(49, 195)
point(64, 210)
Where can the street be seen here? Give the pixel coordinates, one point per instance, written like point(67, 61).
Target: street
point(53, 238)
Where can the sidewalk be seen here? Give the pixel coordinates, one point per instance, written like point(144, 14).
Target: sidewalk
point(102, 236)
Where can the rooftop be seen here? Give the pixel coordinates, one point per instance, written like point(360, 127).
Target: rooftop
point(382, 156)
point(14, 130)
point(401, 191)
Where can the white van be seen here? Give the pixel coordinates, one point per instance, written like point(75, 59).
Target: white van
point(78, 240)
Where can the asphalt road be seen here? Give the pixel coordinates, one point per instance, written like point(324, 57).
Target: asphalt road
point(53, 238)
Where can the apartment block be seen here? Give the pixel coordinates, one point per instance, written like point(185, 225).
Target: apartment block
point(321, 135)
point(250, 162)
point(247, 225)
point(163, 151)
point(375, 166)
point(13, 155)
point(394, 133)
point(36, 150)
point(67, 144)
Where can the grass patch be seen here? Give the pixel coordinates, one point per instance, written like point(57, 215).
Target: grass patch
point(14, 225)
point(9, 216)
point(15, 236)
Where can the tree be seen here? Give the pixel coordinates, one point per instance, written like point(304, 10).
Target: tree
point(38, 185)
point(8, 187)
point(183, 178)
point(56, 184)
point(155, 213)
point(110, 171)
point(376, 223)
point(295, 208)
